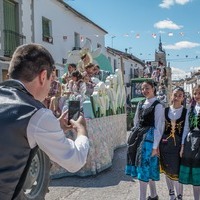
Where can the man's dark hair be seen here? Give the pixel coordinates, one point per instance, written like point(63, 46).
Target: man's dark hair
point(88, 66)
point(97, 66)
point(29, 60)
point(77, 74)
point(72, 65)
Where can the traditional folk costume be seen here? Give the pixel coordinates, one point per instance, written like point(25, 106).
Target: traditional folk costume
point(190, 163)
point(145, 136)
point(170, 144)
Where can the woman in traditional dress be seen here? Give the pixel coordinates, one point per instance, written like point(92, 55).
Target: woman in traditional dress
point(190, 162)
point(171, 141)
point(142, 154)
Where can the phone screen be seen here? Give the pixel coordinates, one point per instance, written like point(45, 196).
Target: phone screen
point(74, 110)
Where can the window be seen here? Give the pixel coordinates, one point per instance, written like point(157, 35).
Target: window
point(98, 45)
point(115, 65)
point(47, 30)
point(76, 41)
point(11, 27)
point(131, 73)
point(64, 60)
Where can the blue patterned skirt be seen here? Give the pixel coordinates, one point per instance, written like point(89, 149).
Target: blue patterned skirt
point(148, 167)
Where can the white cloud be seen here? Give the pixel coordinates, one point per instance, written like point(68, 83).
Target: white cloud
point(178, 74)
point(166, 3)
point(182, 2)
point(182, 45)
point(169, 3)
point(167, 24)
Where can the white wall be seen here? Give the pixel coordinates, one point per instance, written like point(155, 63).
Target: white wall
point(188, 87)
point(26, 20)
point(127, 63)
point(64, 23)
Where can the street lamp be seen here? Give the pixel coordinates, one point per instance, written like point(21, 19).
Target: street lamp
point(112, 39)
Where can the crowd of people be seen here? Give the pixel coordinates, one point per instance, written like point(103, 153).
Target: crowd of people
point(159, 75)
point(76, 84)
point(165, 140)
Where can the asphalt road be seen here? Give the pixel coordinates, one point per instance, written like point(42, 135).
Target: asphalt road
point(110, 184)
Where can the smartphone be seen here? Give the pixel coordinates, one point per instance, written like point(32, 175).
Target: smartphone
point(73, 110)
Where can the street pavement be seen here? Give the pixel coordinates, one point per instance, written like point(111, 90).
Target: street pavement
point(110, 184)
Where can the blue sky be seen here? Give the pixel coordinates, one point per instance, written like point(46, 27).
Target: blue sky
point(137, 25)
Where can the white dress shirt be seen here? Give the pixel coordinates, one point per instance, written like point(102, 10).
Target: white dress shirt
point(158, 119)
point(44, 130)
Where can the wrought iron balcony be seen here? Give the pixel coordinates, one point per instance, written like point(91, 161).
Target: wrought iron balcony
point(11, 41)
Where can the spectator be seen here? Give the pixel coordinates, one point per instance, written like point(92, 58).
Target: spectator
point(156, 75)
point(89, 84)
point(147, 72)
point(161, 95)
point(89, 69)
point(55, 94)
point(26, 123)
point(100, 74)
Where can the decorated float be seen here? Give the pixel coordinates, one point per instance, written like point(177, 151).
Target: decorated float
point(104, 112)
point(106, 124)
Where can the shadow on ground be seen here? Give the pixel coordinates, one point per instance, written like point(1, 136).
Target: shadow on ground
point(109, 177)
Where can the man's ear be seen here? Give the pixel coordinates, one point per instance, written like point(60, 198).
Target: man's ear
point(42, 77)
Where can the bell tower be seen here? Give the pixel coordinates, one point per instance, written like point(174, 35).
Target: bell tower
point(160, 55)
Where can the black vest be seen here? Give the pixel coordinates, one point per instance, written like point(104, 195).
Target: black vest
point(146, 116)
point(179, 123)
point(17, 106)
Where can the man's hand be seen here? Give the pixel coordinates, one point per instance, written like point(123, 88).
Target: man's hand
point(64, 121)
point(79, 125)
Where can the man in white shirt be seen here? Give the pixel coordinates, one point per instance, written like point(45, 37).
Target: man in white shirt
point(25, 122)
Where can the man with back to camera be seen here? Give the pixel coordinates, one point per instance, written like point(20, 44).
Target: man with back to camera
point(25, 123)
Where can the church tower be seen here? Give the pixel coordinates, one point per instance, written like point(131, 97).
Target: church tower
point(160, 56)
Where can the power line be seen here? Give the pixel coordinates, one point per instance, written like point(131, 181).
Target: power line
point(183, 59)
point(179, 59)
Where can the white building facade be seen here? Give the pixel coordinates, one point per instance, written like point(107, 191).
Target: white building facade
point(58, 27)
point(131, 66)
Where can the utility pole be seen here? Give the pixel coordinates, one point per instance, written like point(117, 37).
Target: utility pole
point(112, 39)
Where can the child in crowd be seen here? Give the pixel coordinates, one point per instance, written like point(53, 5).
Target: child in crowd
point(142, 154)
point(190, 162)
point(54, 95)
point(89, 84)
point(171, 141)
